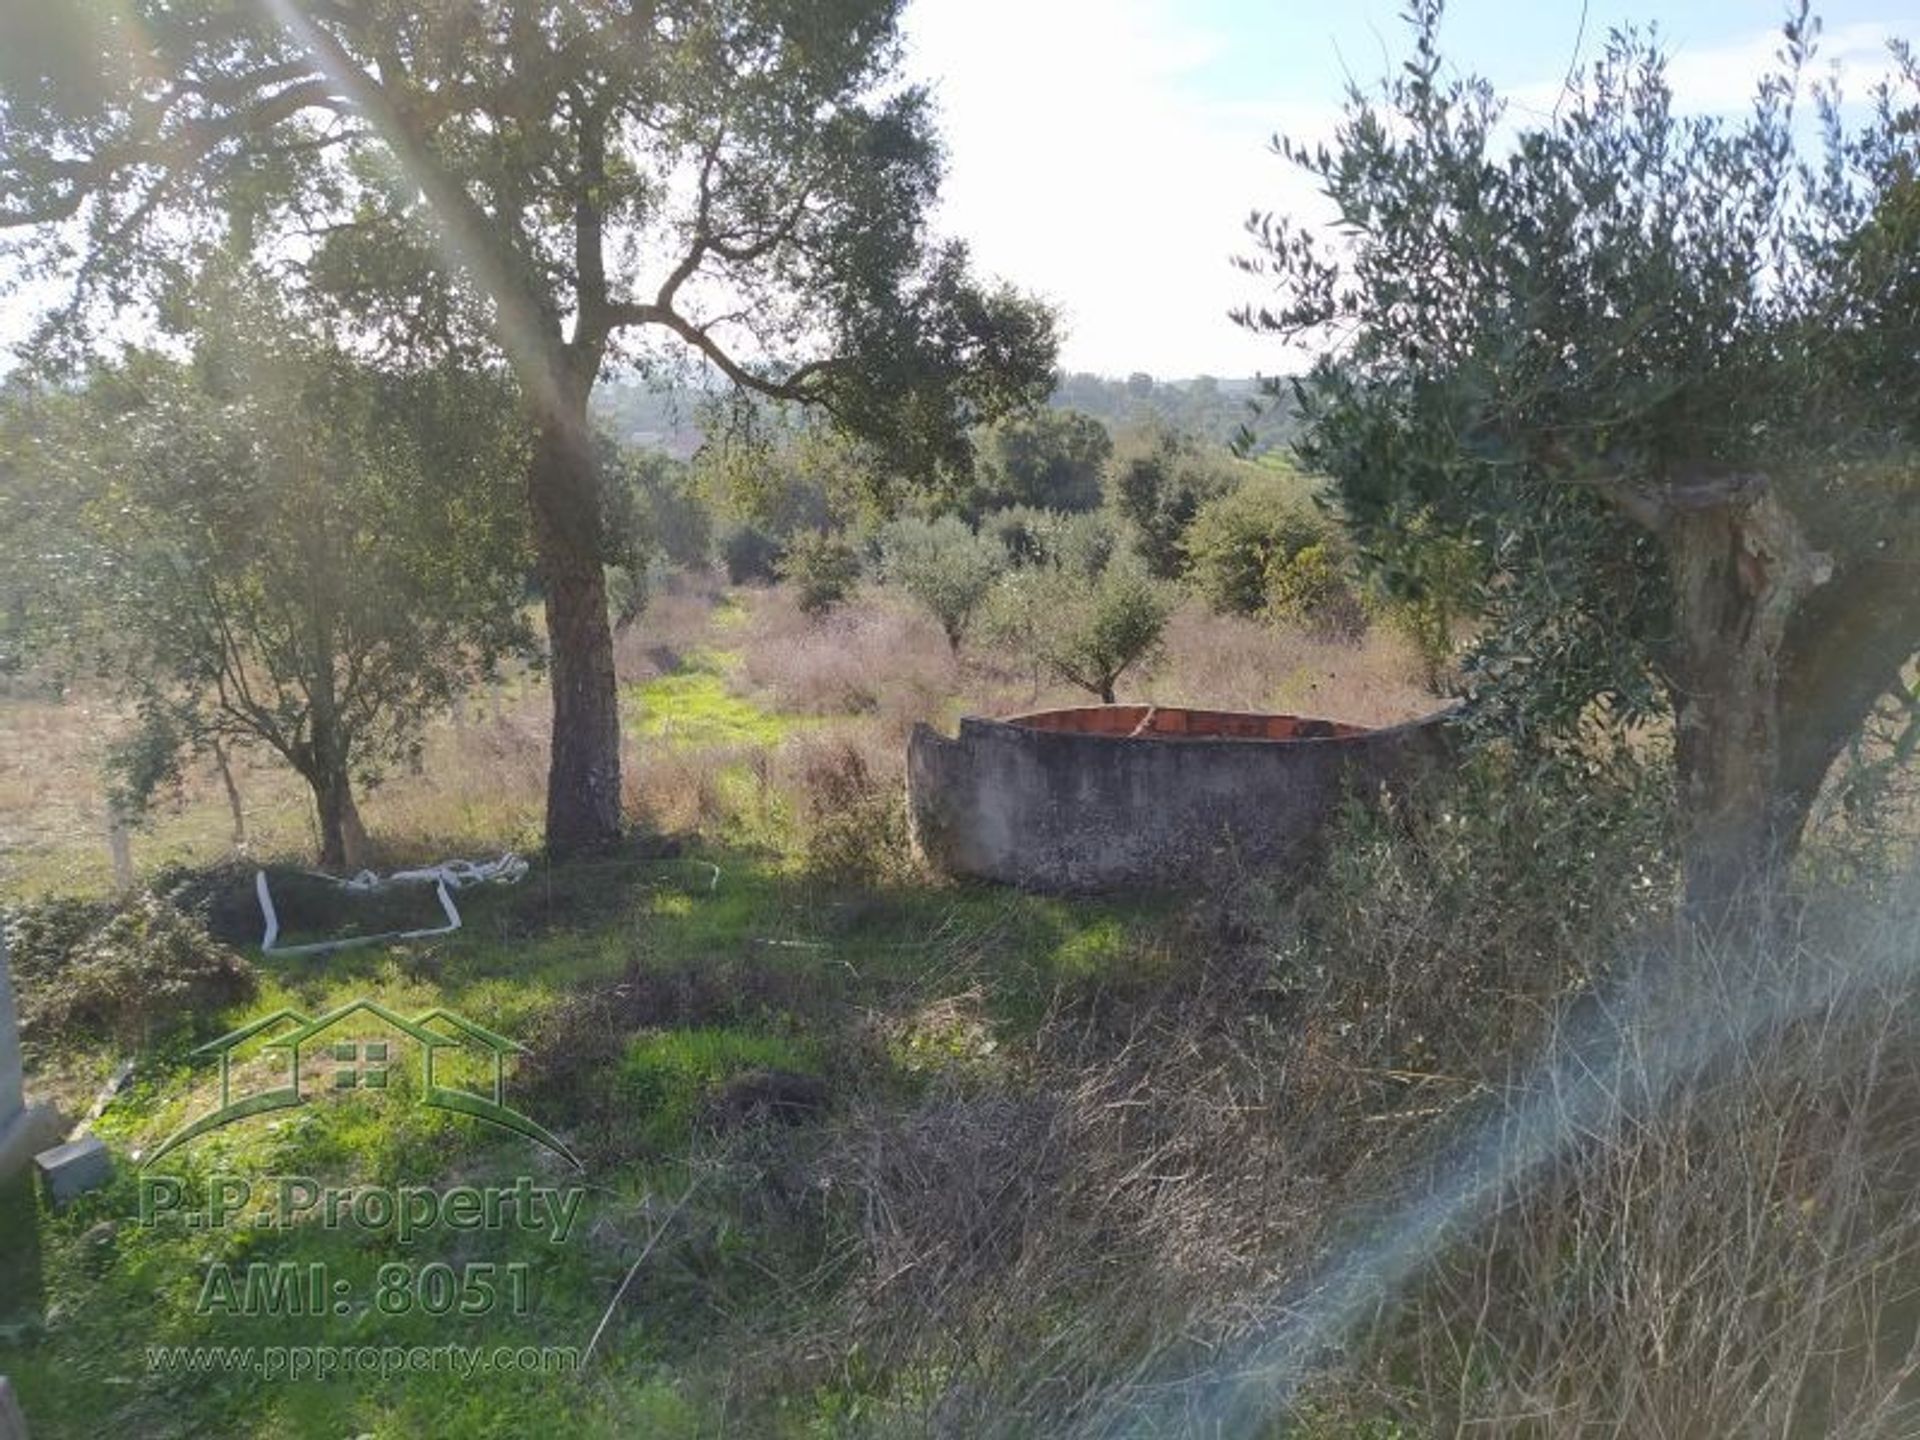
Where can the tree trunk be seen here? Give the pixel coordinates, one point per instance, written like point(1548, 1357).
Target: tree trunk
point(1846, 649)
point(343, 839)
point(583, 779)
point(1740, 570)
point(234, 807)
point(324, 759)
point(1106, 692)
point(120, 850)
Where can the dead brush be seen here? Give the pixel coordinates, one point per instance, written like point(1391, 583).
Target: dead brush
point(1232, 662)
point(1724, 1242)
point(677, 617)
point(1684, 1205)
point(877, 657)
point(852, 810)
point(1152, 1161)
point(683, 789)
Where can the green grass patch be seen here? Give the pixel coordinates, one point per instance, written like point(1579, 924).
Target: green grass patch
point(695, 708)
point(666, 1076)
point(88, 1289)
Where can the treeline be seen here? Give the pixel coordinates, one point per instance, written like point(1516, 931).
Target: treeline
point(677, 419)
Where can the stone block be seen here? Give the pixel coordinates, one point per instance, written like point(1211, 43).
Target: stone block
point(74, 1168)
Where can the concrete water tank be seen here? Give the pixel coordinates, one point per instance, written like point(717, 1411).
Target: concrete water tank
point(1104, 797)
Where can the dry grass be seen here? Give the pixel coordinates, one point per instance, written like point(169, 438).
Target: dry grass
point(678, 617)
point(478, 789)
point(1234, 663)
point(1702, 1221)
point(869, 671)
point(884, 656)
point(1206, 1210)
point(880, 658)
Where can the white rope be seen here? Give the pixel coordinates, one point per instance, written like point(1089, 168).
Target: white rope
point(446, 877)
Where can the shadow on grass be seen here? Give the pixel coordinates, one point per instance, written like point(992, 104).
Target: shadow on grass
point(22, 1284)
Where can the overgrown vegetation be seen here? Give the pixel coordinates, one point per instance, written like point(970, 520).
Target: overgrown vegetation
point(1475, 1120)
point(130, 975)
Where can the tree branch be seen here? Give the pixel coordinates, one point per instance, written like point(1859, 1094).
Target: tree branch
point(528, 335)
point(795, 385)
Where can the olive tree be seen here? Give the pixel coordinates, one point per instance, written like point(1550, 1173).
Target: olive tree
point(1088, 620)
point(945, 566)
point(272, 545)
point(1663, 372)
point(740, 185)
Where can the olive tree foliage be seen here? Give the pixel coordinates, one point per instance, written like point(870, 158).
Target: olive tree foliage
point(736, 185)
point(1662, 375)
point(943, 564)
point(272, 545)
point(1082, 542)
point(1092, 630)
point(1076, 605)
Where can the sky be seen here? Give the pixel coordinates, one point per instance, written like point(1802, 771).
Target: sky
point(1105, 154)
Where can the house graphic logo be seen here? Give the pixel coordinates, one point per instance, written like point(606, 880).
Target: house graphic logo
point(354, 1062)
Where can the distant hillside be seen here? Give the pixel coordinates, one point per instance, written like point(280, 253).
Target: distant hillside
point(1206, 405)
point(668, 419)
point(646, 418)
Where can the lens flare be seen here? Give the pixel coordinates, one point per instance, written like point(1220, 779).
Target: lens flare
point(1617, 1060)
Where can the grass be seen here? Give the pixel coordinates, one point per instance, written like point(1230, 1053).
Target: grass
point(696, 708)
point(80, 1366)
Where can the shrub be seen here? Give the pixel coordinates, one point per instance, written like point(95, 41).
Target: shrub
point(1157, 483)
point(1309, 588)
point(853, 819)
point(1460, 911)
point(131, 974)
point(945, 566)
point(822, 567)
point(1082, 543)
point(1023, 531)
point(1240, 542)
point(750, 555)
point(1432, 580)
point(629, 589)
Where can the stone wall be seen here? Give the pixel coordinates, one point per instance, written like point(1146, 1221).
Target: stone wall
point(24, 1129)
point(1109, 797)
